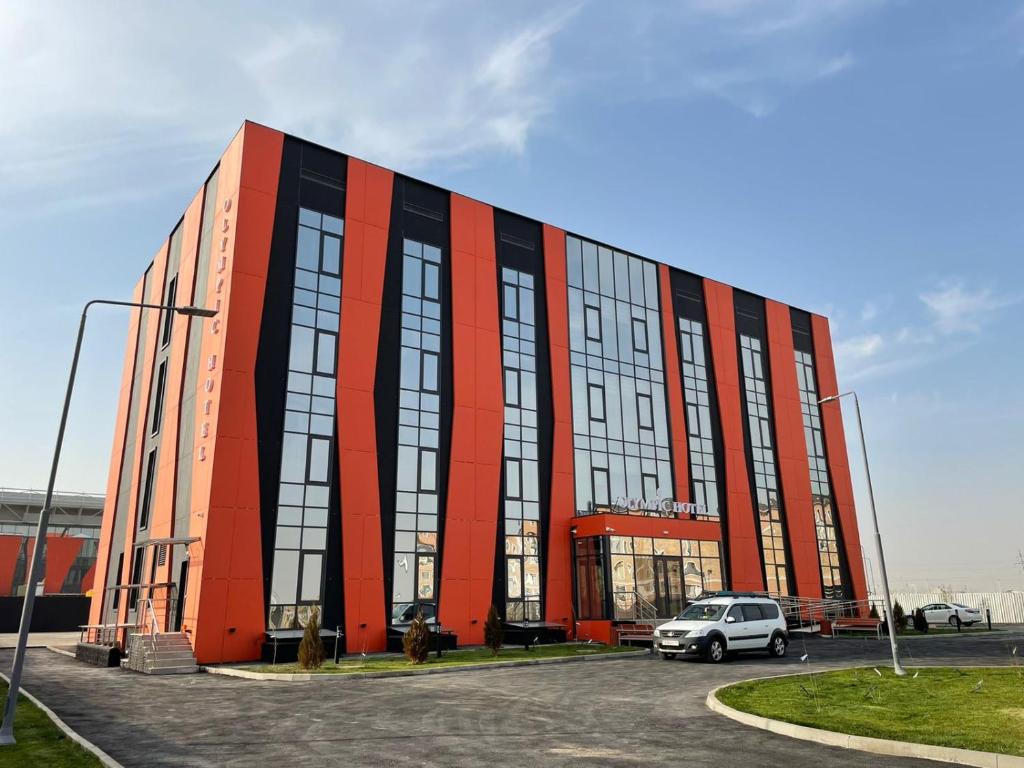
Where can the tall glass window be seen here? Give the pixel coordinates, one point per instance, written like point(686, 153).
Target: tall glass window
point(620, 434)
point(416, 498)
point(522, 488)
point(821, 490)
point(769, 505)
point(300, 543)
point(696, 394)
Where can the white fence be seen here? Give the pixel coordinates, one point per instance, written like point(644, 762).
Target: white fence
point(1006, 607)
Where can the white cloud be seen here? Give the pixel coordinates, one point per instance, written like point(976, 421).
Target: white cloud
point(115, 100)
point(113, 97)
point(951, 311)
point(859, 348)
point(956, 309)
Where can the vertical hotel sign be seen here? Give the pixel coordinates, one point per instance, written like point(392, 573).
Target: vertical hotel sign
point(215, 352)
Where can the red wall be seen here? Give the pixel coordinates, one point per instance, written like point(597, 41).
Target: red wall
point(367, 214)
point(745, 569)
point(10, 547)
point(835, 447)
point(471, 517)
point(791, 451)
point(559, 607)
point(674, 387)
point(224, 607)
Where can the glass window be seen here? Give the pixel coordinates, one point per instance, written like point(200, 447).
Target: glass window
point(307, 442)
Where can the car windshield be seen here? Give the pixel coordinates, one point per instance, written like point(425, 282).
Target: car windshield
point(959, 605)
point(702, 612)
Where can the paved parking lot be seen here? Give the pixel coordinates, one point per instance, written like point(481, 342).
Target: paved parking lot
point(622, 712)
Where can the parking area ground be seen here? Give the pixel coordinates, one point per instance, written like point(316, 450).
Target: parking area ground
point(619, 712)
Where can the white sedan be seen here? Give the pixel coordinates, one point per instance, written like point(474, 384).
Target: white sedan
point(953, 614)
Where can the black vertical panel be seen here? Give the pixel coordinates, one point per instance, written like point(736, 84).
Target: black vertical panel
point(311, 177)
point(751, 321)
point(519, 245)
point(688, 303)
point(419, 212)
point(272, 353)
point(801, 322)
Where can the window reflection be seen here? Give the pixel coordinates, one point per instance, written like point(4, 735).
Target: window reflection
point(521, 496)
point(829, 547)
point(662, 572)
point(620, 434)
point(416, 487)
point(769, 503)
point(307, 443)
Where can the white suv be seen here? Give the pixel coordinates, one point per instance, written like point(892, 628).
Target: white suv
point(722, 624)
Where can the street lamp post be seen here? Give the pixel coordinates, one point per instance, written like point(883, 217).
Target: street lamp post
point(7, 729)
point(887, 606)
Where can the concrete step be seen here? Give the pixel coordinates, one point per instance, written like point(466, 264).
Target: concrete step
point(178, 670)
point(151, 658)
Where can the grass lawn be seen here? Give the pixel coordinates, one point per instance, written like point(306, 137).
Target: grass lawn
point(40, 742)
point(462, 658)
point(980, 709)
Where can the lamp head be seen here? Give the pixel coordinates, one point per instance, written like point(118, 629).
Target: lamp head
point(195, 311)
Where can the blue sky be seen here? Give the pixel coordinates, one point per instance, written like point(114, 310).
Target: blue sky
point(859, 159)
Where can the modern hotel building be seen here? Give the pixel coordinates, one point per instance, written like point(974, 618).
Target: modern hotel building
point(410, 399)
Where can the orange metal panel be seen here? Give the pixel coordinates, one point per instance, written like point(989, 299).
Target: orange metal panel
point(471, 515)
point(835, 447)
point(791, 450)
point(162, 516)
point(367, 214)
point(226, 469)
point(653, 527)
point(10, 546)
point(61, 552)
point(744, 554)
point(149, 343)
point(558, 599)
point(674, 387)
point(114, 478)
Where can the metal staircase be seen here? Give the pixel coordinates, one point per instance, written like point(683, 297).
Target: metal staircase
point(153, 652)
point(641, 618)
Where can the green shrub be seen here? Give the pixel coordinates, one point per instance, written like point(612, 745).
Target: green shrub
point(417, 640)
point(494, 633)
point(311, 649)
point(899, 616)
point(874, 611)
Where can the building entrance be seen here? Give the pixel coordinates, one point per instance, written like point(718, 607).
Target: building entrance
point(668, 586)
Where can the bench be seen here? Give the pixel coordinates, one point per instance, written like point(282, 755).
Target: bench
point(857, 625)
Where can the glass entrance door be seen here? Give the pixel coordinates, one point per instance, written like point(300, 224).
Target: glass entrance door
point(668, 586)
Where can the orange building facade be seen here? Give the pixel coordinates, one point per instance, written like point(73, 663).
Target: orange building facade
point(411, 401)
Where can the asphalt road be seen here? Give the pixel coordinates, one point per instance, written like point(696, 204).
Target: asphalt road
point(622, 712)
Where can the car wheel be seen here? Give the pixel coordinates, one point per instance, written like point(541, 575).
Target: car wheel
point(667, 656)
point(777, 648)
point(954, 621)
point(715, 651)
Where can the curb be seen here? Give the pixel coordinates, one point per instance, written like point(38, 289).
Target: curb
point(304, 677)
point(61, 651)
point(76, 737)
point(870, 744)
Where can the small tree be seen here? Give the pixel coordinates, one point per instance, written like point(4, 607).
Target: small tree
point(494, 633)
point(874, 611)
point(311, 649)
point(899, 616)
point(417, 640)
point(920, 622)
